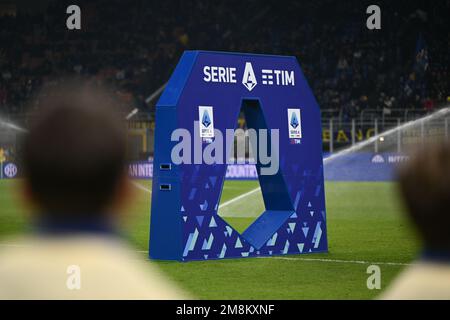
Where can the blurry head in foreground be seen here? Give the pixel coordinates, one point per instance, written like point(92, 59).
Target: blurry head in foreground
point(425, 187)
point(74, 164)
point(74, 156)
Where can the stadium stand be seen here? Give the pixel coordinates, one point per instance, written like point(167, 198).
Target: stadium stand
point(135, 47)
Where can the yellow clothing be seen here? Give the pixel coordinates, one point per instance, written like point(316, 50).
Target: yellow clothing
point(40, 268)
point(423, 280)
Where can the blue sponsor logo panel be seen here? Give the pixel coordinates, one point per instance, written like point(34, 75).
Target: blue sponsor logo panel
point(364, 166)
point(144, 170)
point(185, 197)
point(359, 166)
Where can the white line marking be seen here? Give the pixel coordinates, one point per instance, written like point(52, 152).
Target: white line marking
point(140, 186)
point(341, 261)
point(278, 258)
point(325, 260)
point(226, 203)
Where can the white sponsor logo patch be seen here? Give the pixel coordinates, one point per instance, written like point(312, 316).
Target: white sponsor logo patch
point(248, 78)
point(377, 159)
point(294, 124)
point(206, 120)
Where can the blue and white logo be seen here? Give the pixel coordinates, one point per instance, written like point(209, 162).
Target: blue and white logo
point(294, 121)
point(294, 124)
point(378, 158)
point(206, 120)
point(10, 170)
point(248, 78)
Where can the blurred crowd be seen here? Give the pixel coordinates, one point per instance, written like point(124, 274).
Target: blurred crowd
point(134, 45)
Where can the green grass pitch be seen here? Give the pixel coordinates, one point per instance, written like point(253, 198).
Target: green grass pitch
point(365, 226)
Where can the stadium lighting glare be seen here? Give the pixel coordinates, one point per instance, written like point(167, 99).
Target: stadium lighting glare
point(132, 114)
point(12, 126)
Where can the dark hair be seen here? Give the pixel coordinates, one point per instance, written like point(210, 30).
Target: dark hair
point(74, 153)
point(425, 186)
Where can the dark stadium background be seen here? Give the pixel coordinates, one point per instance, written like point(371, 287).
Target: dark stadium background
point(133, 46)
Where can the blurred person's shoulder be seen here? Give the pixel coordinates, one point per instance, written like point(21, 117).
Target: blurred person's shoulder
point(422, 280)
point(79, 267)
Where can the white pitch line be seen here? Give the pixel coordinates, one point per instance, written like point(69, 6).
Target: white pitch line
point(340, 261)
point(274, 257)
point(327, 260)
point(140, 186)
point(226, 203)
